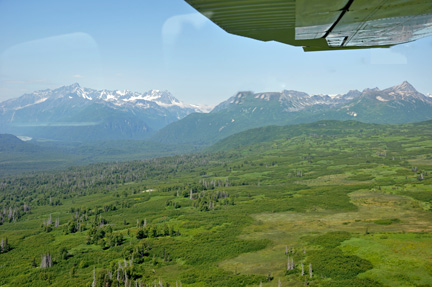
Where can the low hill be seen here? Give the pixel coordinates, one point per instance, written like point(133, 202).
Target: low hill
point(10, 144)
point(272, 133)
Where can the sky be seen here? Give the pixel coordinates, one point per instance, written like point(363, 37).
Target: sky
point(140, 45)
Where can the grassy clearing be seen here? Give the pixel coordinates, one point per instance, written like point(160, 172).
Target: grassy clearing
point(388, 252)
point(299, 229)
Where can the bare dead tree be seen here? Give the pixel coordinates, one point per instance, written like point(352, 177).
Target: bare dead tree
point(4, 246)
point(26, 207)
point(46, 261)
point(310, 270)
point(125, 274)
point(94, 277)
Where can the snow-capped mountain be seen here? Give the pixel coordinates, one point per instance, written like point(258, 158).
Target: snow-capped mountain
point(245, 110)
point(125, 98)
point(77, 113)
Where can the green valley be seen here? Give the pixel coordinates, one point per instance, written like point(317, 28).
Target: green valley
point(323, 204)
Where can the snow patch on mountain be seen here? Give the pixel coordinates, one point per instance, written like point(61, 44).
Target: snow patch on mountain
point(381, 99)
point(203, 108)
point(121, 93)
point(38, 101)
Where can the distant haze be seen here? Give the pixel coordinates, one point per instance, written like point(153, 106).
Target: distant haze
point(75, 113)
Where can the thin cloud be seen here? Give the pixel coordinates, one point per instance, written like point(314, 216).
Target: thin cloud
point(173, 27)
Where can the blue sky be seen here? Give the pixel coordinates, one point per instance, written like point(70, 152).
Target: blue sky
point(165, 44)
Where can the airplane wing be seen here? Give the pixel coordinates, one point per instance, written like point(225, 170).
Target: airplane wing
point(323, 24)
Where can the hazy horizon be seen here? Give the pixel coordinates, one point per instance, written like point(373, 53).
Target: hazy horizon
point(226, 98)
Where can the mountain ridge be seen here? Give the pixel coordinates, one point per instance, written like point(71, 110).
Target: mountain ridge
point(245, 110)
point(116, 97)
point(74, 113)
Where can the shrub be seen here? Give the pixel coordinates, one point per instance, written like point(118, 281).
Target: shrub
point(334, 264)
point(387, 221)
point(355, 282)
point(330, 239)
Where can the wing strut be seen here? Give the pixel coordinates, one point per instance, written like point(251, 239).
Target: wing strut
point(343, 11)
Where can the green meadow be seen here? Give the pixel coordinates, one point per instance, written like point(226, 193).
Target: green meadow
point(327, 204)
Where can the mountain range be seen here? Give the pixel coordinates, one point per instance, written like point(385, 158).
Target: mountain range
point(246, 110)
point(73, 113)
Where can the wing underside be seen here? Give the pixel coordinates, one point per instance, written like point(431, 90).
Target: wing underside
point(323, 24)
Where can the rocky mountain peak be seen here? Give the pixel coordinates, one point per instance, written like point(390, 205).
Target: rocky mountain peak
point(405, 87)
point(353, 93)
point(71, 88)
point(161, 97)
point(404, 91)
point(75, 85)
